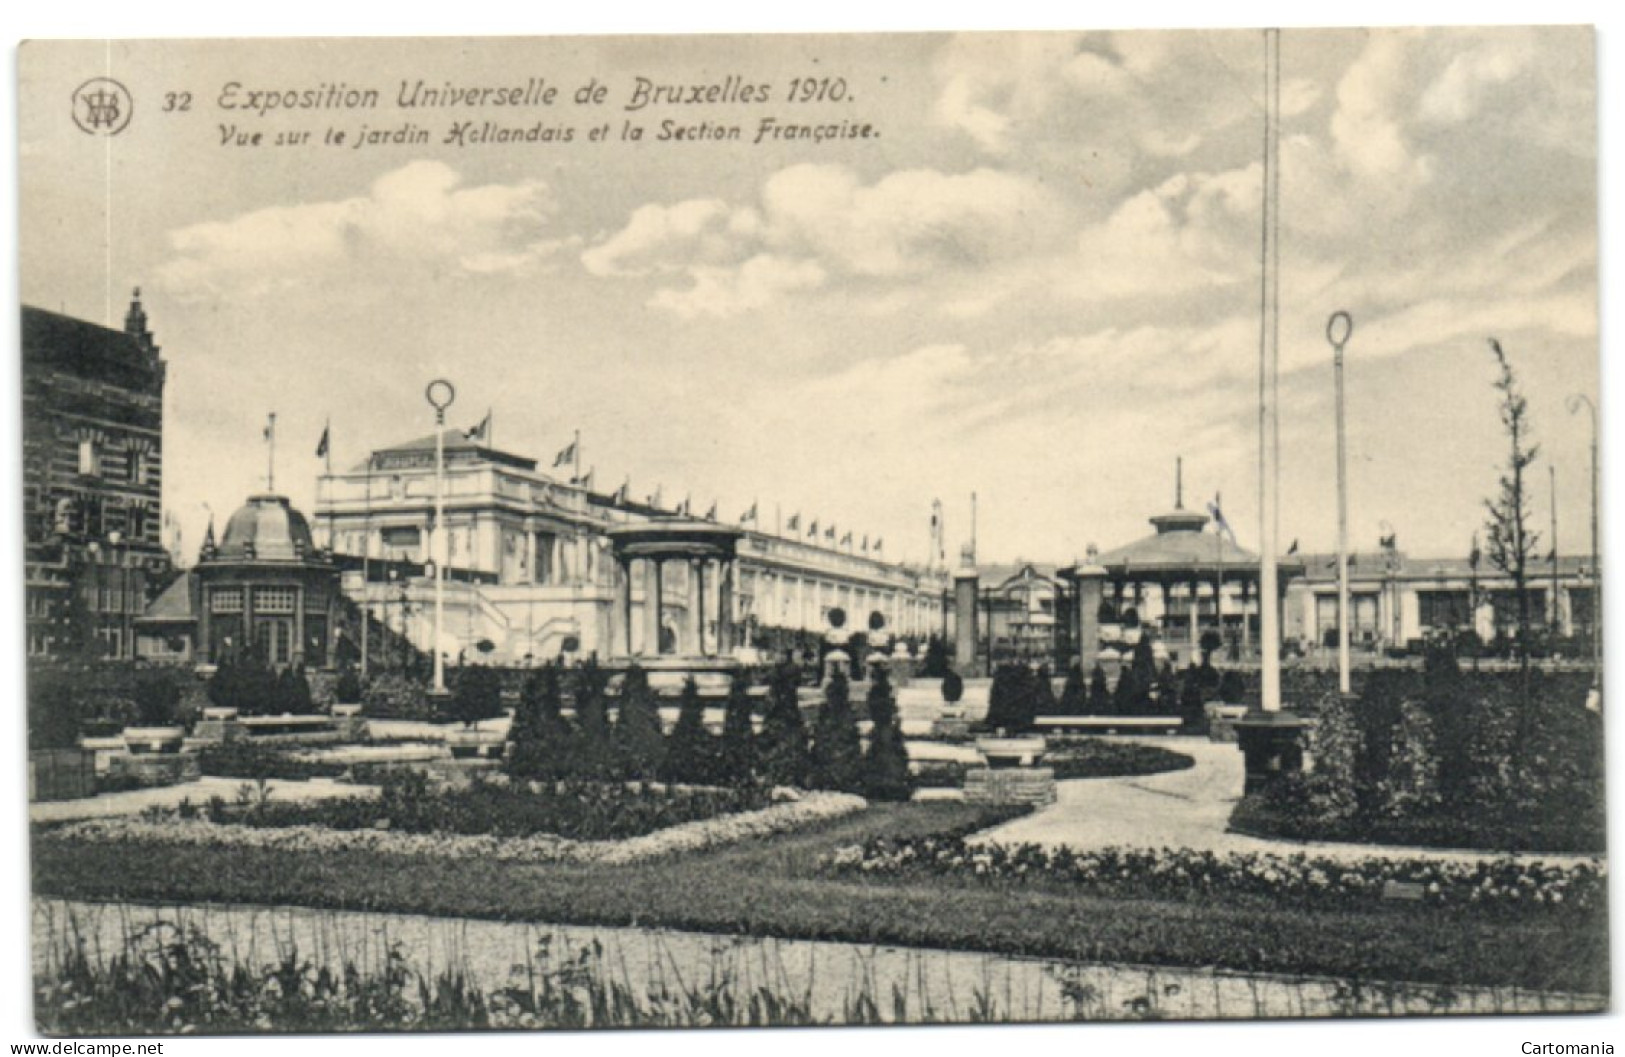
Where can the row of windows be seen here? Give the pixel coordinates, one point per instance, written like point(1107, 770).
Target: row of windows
point(266, 600)
point(136, 468)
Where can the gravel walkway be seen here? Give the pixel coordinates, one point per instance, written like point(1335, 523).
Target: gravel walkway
point(1186, 809)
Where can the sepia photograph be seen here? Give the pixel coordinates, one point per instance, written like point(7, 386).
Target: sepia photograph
point(758, 530)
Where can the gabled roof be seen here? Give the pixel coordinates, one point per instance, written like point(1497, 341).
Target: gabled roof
point(51, 339)
point(173, 606)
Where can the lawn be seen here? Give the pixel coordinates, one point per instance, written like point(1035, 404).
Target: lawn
point(776, 887)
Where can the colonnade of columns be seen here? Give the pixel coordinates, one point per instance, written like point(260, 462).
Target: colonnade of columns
point(710, 595)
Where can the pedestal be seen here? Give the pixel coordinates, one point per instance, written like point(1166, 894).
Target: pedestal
point(1272, 745)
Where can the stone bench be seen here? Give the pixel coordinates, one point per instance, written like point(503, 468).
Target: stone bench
point(1119, 724)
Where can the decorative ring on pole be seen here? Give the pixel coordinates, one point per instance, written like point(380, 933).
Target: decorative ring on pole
point(440, 394)
point(1340, 322)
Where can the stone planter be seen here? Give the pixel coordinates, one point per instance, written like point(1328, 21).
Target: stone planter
point(153, 739)
point(1001, 753)
point(218, 724)
point(347, 717)
point(1012, 774)
point(1222, 719)
point(476, 744)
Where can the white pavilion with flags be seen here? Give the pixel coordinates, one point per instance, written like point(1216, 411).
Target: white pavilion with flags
point(1187, 577)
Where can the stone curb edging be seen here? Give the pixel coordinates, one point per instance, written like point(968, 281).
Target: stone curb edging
point(540, 848)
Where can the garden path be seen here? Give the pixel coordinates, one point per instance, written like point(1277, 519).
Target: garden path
point(134, 801)
point(1187, 809)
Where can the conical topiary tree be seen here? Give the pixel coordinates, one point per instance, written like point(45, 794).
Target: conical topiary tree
point(885, 764)
point(783, 742)
point(1074, 693)
point(934, 665)
point(1192, 699)
point(737, 761)
point(837, 747)
point(1044, 703)
point(592, 754)
point(477, 695)
point(640, 745)
point(1011, 700)
point(691, 750)
point(1100, 694)
point(540, 736)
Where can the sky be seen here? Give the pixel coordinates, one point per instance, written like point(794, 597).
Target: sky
point(1038, 282)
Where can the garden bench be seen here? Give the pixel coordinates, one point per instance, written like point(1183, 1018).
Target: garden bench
point(1120, 724)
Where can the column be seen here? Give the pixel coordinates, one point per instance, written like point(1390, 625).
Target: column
point(1091, 581)
point(966, 589)
point(1191, 588)
point(621, 609)
point(725, 608)
point(530, 554)
point(1246, 622)
point(696, 607)
point(653, 603)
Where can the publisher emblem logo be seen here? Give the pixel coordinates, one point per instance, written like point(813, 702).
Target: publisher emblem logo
point(102, 107)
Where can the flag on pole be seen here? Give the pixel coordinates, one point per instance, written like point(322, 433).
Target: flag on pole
point(866, 543)
point(794, 524)
point(1290, 551)
point(1219, 522)
point(321, 445)
point(749, 516)
point(880, 544)
point(711, 515)
point(846, 539)
point(829, 533)
point(565, 456)
point(479, 432)
point(622, 492)
point(683, 508)
point(270, 426)
point(585, 481)
point(812, 532)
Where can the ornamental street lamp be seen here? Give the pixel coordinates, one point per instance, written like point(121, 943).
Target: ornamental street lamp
point(1575, 402)
point(1338, 331)
point(440, 395)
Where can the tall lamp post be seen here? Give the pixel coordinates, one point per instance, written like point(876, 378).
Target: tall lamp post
point(1575, 402)
point(1338, 331)
point(440, 395)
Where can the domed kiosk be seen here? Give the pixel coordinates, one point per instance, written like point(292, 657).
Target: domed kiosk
point(265, 586)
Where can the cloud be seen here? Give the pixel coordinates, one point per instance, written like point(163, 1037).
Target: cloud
point(754, 284)
point(815, 224)
point(416, 217)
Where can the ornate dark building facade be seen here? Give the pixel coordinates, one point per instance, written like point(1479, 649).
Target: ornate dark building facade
point(93, 419)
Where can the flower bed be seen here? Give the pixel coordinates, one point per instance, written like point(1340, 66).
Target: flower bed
point(1508, 885)
point(1094, 758)
point(175, 831)
point(575, 809)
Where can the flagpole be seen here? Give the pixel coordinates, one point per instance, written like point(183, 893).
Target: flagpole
point(1552, 470)
point(270, 454)
point(1269, 367)
point(575, 448)
point(366, 565)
